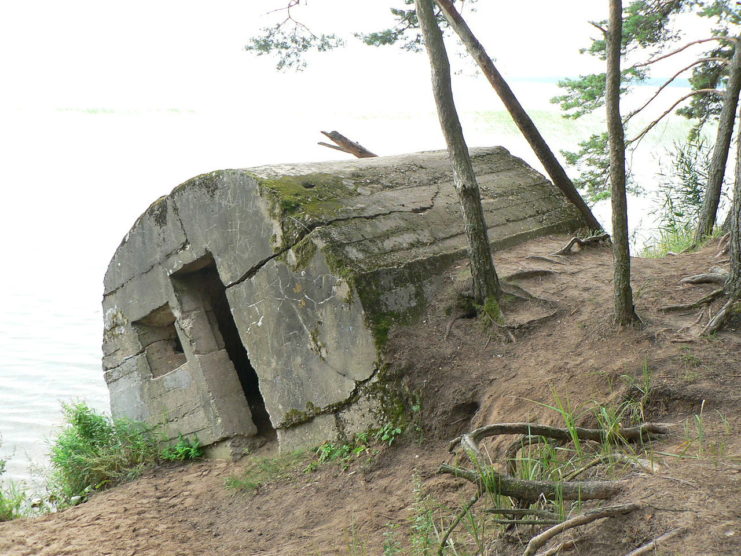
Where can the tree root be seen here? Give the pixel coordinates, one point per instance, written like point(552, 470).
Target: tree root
point(654, 544)
point(546, 259)
point(587, 517)
point(487, 479)
point(471, 440)
point(532, 273)
point(712, 296)
point(724, 246)
point(720, 318)
point(715, 276)
point(532, 491)
point(582, 243)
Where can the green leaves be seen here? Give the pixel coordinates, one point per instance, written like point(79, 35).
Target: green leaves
point(291, 44)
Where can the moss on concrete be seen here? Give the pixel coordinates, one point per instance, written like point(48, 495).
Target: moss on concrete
point(316, 195)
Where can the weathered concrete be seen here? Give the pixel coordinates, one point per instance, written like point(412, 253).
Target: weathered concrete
point(305, 266)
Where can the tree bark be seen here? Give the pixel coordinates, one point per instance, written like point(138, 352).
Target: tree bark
point(733, 283)
point(485, 281)
point(623, 294)
point(515, 109)
point(721, 149)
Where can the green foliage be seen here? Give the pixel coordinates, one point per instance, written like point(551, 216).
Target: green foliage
point(12, 498)
point(290, 41)
point(94, 452)
point(184, 449)
point(388, 433)
point(12, 501)
point(648, 27)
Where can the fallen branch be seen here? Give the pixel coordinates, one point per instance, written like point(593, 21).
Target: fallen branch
point(582, 243)
point(654, 544)
point(587, 517)
point(712, 296)
point(346, 145)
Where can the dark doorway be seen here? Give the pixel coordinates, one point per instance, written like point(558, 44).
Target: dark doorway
point(206, 282)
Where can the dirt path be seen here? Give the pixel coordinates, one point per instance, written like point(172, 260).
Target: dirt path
point(470, 378)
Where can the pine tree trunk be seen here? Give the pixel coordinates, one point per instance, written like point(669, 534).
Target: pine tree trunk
point(623, 294)
point(515, 109)
point(721, 148)
point(485, 280)
point(733, 283)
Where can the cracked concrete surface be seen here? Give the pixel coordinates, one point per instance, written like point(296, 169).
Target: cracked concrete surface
point(307, 282)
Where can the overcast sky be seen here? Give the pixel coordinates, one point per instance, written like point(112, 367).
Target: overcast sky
point(106, 105)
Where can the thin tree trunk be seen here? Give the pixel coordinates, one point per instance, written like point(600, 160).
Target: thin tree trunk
point(520, 117)
point(721, 148)
point(485, 280)
point(623, 294)
point(733, 284)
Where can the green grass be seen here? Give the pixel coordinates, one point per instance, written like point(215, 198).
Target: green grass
point(94, 452)
point(12, 501)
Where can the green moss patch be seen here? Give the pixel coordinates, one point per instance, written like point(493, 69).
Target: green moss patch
point(317, 195)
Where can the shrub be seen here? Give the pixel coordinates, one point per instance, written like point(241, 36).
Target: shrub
point(94, 451)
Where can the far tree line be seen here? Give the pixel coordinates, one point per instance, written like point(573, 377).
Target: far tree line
point(644, 32)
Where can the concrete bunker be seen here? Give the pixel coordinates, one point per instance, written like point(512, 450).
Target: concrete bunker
point(255, 303)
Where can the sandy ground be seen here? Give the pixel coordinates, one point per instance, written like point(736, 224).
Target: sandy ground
point(467, 376)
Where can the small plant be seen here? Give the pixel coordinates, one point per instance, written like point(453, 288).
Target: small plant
point(388, 433)
point(391, 545)
point(184, 449)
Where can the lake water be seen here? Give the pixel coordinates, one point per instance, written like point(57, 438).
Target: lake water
point(74, 180)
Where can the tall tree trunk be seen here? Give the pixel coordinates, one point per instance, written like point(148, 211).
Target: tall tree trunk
point(520, 117)
point(733, 283)
point(623, 294)
point(485, 280)
point(721, 148)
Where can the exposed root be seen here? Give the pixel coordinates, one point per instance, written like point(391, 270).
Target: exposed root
point(720, 318)
point(715, 276)
point(565, 545)
point(488, 479)
point(546, 259)
point(532, 491)
point(654, 544)
point(471, 440)
point(712, 296)
point(532, 273)
point(587, 517)
point(582, 243)
point(724, 246)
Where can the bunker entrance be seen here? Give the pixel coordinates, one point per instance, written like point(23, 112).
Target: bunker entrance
point(202, 280)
